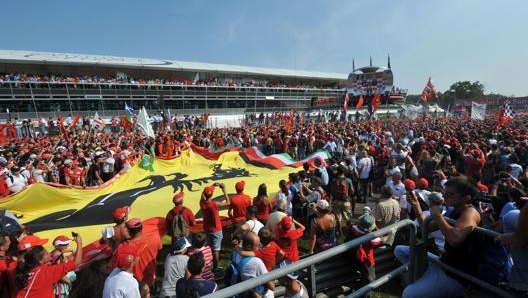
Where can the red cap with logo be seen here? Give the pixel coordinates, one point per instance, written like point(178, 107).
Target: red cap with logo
point(208, 191)
point(125, 256)
point(61, 240)
point(30, 241)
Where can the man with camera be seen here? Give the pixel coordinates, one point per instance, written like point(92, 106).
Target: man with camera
point(211, 219)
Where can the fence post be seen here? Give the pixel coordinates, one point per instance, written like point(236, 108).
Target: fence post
point(311, 280)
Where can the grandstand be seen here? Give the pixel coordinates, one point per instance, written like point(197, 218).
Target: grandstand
point(33, 83)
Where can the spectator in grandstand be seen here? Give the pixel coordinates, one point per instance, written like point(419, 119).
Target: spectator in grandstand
point(175, 265)
point(435, 282)
point(212, 223)
point(239, 202)
point(195, 285)
point(323, 228)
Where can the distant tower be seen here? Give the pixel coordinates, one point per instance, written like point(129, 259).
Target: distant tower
point(353, 65)
point(370, 61)
point(388, 61)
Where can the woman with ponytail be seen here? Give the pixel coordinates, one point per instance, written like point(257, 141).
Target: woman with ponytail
point(35, 277)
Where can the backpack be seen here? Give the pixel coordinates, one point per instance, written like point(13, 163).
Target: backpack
point(180, 226)
point(342, 189)
point(494, 260)
point(233, 273)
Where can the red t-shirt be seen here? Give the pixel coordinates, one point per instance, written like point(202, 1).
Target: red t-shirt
point(239, 203)
point(288, 242)
point(7, 278)
point(147, 250)
point(211, 219)
point(41, 281)
point(268, 254)
point(187, 215)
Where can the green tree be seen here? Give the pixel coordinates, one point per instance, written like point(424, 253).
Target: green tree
point(464, 90)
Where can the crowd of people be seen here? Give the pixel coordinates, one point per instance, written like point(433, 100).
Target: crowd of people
point(102, 81)
point(434, 168)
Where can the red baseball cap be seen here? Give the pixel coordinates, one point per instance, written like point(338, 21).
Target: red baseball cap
point(286, 223)
point(239, 186)
point(121, 213)
point(208, 191)
point(423, 182)
point(125, 256)
point(409, 184)
point(61, 240)
point(178, 198)
point(30, 241)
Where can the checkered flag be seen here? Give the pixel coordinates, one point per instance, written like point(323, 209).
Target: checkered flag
point(506, 114)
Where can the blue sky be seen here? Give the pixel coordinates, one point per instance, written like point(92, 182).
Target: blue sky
point(449, 40)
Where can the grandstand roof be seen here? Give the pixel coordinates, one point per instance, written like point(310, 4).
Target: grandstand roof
point(31, 57)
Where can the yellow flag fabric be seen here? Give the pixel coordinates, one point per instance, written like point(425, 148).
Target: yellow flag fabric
point(51, 211)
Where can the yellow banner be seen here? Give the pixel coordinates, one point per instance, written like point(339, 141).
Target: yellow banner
point(51, 211)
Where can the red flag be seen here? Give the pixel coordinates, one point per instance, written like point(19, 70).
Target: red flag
point(376, 101)
point(360, 102)
point(289, 125)
point(429, 91)
point(63, 129)
point(74, 121)
point(345, 103)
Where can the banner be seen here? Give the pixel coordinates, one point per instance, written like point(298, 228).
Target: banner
point(478, 111)
point(50, 210)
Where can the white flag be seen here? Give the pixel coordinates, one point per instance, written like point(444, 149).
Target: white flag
point(98, 121)
point(143, 123)
point(478, 111)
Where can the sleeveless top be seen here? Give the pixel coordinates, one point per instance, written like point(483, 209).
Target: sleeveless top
point(460, 257)
point(324, 239)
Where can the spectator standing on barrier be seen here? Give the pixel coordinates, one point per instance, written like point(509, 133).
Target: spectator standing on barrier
point(435, 282)
point(211, 219)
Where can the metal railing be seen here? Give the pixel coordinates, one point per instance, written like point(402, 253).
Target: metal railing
point(309, 262)
point(436, 260)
